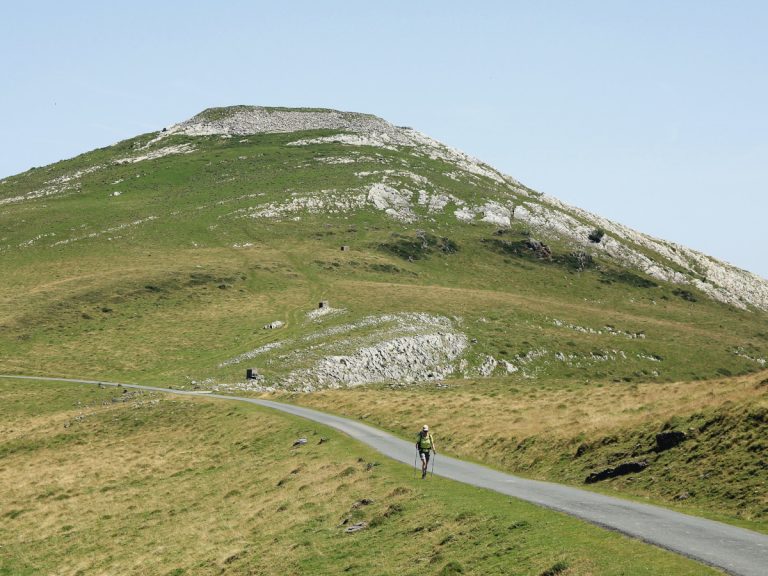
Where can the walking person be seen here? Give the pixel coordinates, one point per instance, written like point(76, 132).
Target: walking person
point(424, 444)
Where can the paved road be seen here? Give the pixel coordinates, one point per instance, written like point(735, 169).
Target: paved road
point(735, 550)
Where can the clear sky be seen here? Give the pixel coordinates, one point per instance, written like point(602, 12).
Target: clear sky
point(650, 113)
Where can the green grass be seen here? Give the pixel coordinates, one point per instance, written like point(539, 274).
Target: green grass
point(170, 279)
point(144, 483)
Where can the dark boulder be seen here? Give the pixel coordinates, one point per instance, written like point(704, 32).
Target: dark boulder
point(669, 439)
point(620, 470)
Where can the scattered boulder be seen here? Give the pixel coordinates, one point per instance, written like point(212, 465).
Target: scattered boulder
point(361, 503)
point(582, 449)
point(669, 439)
point(620, 470)
point(540, 249)
point(299, 442)
point(356, 527)
point(682, 496)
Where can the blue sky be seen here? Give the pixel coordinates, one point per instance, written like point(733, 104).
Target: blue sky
point(649, 113)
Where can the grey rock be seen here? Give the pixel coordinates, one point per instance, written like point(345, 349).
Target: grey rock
point(356, 527)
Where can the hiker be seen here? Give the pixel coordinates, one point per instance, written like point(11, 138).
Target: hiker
point(424, 444)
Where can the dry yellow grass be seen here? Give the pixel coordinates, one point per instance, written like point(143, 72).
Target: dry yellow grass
point(564, 432)
point(154, 485)
point(467, 411)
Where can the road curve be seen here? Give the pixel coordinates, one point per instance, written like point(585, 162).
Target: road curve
point(736, 550)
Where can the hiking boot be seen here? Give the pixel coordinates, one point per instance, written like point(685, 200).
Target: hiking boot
point(423, 474)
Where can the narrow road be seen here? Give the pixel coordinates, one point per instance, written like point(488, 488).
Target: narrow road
point(735, 550)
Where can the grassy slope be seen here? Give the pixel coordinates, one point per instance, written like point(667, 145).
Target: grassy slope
point(93, 481)
point(171, 297)
point(167, 300)
point(564, 432)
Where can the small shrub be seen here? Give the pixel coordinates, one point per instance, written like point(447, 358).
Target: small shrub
point(556, 569)
point(452, 568)
point(684, 294)
point(418, 247)
point(625, 277)
point(448, 246)
point(578, 261)
point(596, 235)
point(387, 268)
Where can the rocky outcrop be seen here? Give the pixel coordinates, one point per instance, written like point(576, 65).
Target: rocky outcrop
point(405, 359)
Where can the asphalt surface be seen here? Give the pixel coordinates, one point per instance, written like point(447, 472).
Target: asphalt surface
point(735, 550)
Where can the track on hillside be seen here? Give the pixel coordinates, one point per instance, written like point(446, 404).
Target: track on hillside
point(736, 550)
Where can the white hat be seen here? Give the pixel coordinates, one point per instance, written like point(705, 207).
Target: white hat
point(426, 428)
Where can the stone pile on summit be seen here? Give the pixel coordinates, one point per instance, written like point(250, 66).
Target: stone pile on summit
point(245, 120)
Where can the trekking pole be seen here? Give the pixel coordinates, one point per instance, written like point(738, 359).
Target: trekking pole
point(415, 459)
point(434, 455)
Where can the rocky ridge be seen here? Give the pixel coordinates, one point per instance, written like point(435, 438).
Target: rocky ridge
point(544, 214)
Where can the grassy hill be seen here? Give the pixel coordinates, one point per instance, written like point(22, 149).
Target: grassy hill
point(106, 481)
point(161, 259)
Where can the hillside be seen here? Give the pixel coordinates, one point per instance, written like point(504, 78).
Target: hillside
point(199, 487)
point(165, 255)
point(186, 256)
